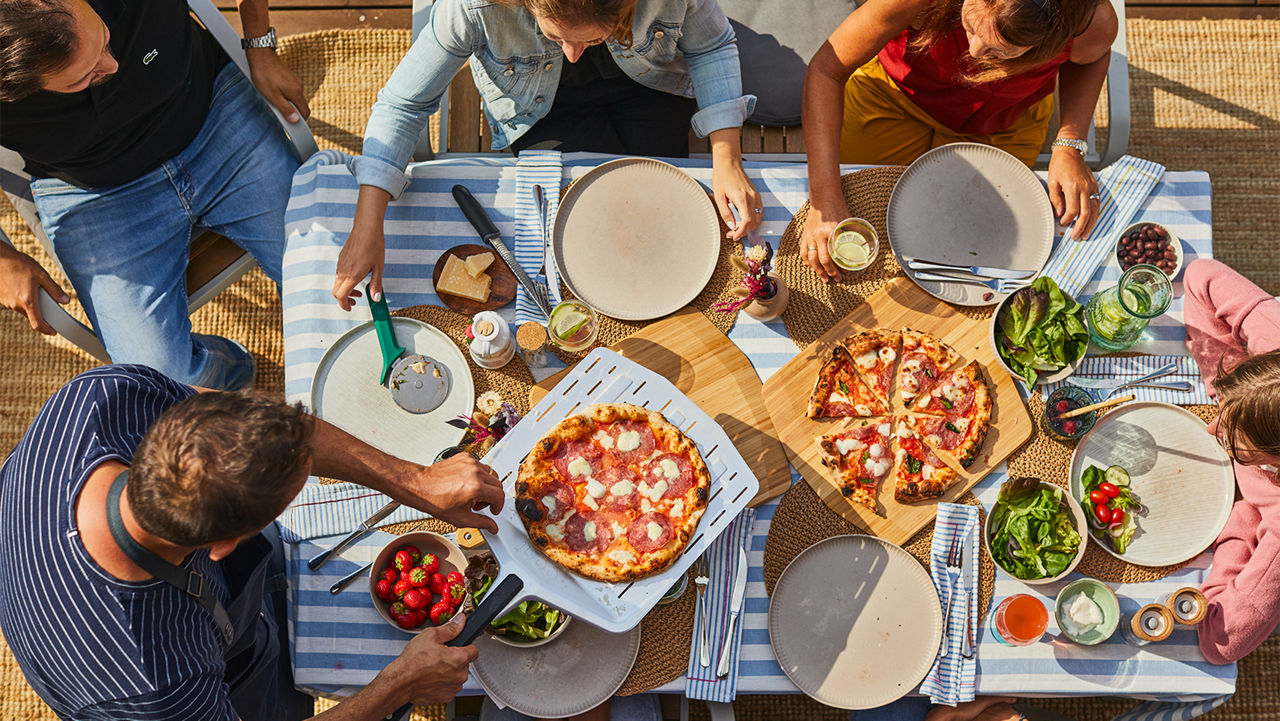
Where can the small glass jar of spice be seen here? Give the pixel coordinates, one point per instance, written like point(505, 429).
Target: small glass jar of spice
point(531, 338)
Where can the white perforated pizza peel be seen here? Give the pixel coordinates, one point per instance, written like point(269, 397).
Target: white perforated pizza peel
point(604, 376)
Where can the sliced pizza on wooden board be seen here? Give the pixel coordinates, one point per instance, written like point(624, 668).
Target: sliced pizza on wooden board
point(840, 391)
point(859, 455)
point(875, 353)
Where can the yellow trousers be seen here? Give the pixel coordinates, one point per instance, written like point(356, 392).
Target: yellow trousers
point(883, 127)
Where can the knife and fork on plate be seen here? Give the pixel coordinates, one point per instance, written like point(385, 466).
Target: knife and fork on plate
point(1002, 280)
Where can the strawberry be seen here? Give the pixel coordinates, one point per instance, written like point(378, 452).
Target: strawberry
point(458, 578)
point(402, 586)
point(403, 560)
point(398, 609)
point(429, 563)
point(385, 590)
point(454, 593)
point(413, 551)
point(418, 576)
point(419, 617)
point(441, 612)
point(436, 583)
point(415, 599)
point(407, 621)
point(391, 574)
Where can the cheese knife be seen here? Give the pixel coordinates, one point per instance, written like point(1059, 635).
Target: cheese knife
point(480, 220)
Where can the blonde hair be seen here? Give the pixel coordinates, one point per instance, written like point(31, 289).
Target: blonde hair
point(616, 14)
point(1044, 26)
point(1249, 404)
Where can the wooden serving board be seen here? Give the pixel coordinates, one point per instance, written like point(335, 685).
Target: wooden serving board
point(686, 349)
point(899, 304)
point(502, 289)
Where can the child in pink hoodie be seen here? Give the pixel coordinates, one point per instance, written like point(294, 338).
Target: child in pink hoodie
point(1233, 326)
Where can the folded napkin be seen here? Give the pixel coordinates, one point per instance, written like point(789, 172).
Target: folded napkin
point(721, 566)
point(1123, 185)
point(1104, 367)
point(951, 679)
point(536, 167)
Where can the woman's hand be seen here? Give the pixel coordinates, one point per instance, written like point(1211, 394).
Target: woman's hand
point(1073, 191)
point(730, 185)
point(818, 224)
point(364, 252)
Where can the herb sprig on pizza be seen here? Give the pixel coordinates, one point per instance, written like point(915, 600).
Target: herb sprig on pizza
point(944, 422)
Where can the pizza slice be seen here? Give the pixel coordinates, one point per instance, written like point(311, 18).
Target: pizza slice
point(918, 472)
point(924, 359)
point(874, 354)
point(859, 456)
point(957, 438)
point(840, 392)
point(957, 393)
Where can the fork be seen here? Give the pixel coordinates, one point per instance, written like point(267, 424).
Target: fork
point(1105, 387)
point(953, 576)
point(541, 199)
point(704, 644)
point(999, 285)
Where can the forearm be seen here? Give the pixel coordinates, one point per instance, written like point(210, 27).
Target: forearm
point(823, 110)
point(1078, 89)
point(340, 455)
point(254, 17)
point(383, 695)
point(726, 147)
point(371, 205)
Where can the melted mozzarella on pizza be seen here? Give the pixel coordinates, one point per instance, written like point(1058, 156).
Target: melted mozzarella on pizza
point(862, 409)
point(595, 488)
point(622, 488)
point(669, 469)
point(628, 441)
point(887, 355)
point(579, 467)
point(844, 445)
point(621, 556)
point(550, 503)
point(604, 439)
point(677, 509)
point(867, 359)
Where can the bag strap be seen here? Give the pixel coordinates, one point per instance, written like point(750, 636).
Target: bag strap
point(192, 582)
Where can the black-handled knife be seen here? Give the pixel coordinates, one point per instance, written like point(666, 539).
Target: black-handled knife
point(479, 219)
point(494, 602)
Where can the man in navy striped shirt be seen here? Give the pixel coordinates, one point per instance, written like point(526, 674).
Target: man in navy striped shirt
point(125, 468)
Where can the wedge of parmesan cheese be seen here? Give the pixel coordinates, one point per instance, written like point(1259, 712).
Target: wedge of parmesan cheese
point(476, 264)
point(456, 280)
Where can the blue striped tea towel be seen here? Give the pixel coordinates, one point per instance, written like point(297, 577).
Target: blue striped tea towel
point(1133, 367)
point(721, 560)
point(328, 509)
point(951, 680)
point(1124, 186)
point(536, 167)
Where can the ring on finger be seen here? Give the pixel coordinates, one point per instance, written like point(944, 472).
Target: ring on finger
point(1096, 196)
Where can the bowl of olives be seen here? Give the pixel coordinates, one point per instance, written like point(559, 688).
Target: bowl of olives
point(1150, 243)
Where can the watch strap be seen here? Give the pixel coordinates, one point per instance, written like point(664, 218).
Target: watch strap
point(262, 41)
point(1078, 145)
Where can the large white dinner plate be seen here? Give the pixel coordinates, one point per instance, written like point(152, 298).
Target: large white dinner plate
point(969, 204)
point(1178, 471)
point(636, 238)
point(345, 391)
point(855, 622)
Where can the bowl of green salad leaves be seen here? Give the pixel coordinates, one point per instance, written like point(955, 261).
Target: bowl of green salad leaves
point(1038, 333)
point(531, 623)
point(1034, 531)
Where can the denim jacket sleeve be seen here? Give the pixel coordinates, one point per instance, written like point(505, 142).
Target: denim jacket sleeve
point(413, 93)
point(709, 46)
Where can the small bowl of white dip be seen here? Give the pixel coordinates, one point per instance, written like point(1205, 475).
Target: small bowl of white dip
point(1088, 611)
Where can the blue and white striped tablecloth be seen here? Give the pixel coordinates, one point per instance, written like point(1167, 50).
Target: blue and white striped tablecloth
point(341, 642)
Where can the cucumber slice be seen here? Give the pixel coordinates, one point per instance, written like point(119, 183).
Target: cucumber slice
point(1118, 476)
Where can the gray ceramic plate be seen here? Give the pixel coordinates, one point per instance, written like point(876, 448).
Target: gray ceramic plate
point(636, 238)
point(970, 204)
point(576, 673)
point(855, 622)
point(345, 392)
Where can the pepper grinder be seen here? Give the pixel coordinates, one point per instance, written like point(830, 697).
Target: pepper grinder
point(492, 347)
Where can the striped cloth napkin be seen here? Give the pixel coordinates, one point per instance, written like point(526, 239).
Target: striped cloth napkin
point(1104, 367)
point(536, 167)
point(951, 680)
point(327, 509)
point(1124, 186)
point(721, 560)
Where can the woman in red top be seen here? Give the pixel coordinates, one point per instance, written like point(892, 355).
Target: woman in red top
point(899, 77)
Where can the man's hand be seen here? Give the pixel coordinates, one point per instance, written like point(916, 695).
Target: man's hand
point(277, 83)
point(21, 279)
point(454, 489)
point(983, 708)
point(435, 672)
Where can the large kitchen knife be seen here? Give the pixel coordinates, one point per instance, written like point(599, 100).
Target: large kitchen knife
point(365, 528)
point(489, 234)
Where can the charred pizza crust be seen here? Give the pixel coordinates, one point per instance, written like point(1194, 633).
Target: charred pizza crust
point(919, 474)
point(613, 494)
point(858, 457)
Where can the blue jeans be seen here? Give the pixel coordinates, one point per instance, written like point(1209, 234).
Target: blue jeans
point(125, 249)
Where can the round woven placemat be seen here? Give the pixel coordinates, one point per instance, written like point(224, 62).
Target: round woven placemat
point(816, 306)
point(802, 519)
point(665, 639)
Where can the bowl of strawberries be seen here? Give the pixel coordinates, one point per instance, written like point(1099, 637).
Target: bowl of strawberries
point(417, 582)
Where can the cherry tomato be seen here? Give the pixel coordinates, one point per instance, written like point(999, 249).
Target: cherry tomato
point(1103, 513)
point(1109, 488)
point(1099, 498)
point(1117, 515)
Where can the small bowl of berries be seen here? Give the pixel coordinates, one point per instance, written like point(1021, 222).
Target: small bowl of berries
point(417, 581)
point(1061, 402)
point(1150, 243)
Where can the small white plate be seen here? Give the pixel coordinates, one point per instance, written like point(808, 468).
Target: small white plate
point(969, 204)
point(1177, 470)
point(855, 622)
point(636, 238)
point(345, 392)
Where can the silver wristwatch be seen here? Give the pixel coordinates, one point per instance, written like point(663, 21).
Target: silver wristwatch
point(1077, 145)
point(262, 41)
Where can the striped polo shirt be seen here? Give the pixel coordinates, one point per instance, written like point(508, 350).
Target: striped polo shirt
point(92, 646)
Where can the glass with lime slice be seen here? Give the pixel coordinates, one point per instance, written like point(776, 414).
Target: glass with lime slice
point(853, 244)
point(573, 326)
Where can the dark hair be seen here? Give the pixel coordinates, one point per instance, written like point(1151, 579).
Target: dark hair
point(37, 37)
point(1249, 404)
point(218, 466)
point(1044, 26)
point(616, 14)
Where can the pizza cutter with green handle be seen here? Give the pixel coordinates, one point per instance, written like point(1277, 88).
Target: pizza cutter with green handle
point(417, 382)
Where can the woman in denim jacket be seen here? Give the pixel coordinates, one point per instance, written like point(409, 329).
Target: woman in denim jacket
point(617, 76)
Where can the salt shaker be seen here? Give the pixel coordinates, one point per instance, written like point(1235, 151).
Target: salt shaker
point(532, 339)
point(492, 346)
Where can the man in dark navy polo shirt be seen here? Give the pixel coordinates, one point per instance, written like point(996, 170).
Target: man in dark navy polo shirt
point(136, 128)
